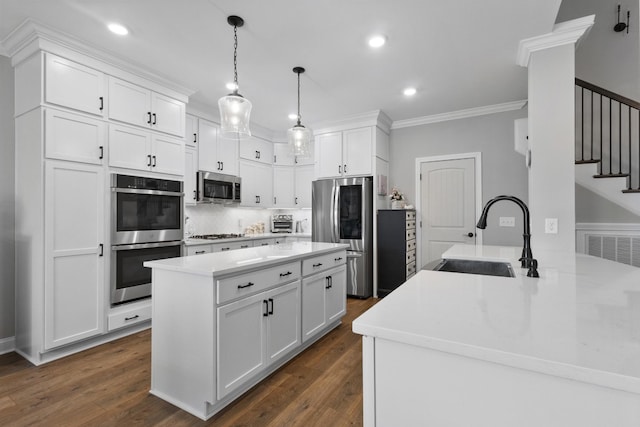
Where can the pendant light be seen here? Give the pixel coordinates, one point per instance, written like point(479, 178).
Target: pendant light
point(299, 137)
point(234, 108)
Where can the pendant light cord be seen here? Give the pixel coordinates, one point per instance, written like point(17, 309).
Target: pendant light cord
point(235, 57)
point(299, 99)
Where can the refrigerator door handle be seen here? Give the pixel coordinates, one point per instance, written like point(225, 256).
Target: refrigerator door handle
point(351, 254)
point(335, 214)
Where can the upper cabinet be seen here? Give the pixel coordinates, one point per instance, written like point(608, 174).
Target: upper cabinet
point(139, 106)
point(191, 131)
point(216, 154)
point(257, 150)
point(282, 155)
point(73, 137)
point(351, 152)
point(74, 86)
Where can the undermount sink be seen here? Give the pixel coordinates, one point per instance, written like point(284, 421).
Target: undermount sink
point(487, 268)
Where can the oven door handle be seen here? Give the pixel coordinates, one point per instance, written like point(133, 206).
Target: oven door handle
point(148, 192)
point(146, 245)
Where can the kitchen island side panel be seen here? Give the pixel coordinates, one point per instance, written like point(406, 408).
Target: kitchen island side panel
point(183, 340)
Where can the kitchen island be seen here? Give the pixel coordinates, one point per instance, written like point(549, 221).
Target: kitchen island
point(224, 321)
point(453, 349)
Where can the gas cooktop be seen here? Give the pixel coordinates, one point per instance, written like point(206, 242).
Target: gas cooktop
point(216, 236)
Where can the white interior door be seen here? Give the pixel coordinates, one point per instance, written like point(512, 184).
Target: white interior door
point(448, 205)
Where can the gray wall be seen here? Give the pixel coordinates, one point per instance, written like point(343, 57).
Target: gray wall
point(7, 169)
point(503, 170)
point(591, 207)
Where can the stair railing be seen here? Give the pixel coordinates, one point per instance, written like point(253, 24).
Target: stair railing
point(605, 124)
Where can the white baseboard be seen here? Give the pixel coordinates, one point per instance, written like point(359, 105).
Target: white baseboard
point(7, 345)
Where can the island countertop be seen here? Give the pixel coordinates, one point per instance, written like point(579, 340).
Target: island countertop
point(229, 262)
point(580, 320)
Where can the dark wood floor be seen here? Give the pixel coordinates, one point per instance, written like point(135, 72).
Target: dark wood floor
point(108, 386)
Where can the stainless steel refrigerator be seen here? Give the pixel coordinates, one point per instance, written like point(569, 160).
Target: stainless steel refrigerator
point(343, 213)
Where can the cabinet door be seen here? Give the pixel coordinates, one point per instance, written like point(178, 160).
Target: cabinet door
point(283, 323)
point(282, 155)
point(357, 151)
point(167, 155)
point(73, 137)
point(191, 130)
point(329, 155)
point(129, 103)
point(198, 250)
point(313, 305)
point(304, 178)
point(74, 249)
point(241, 341)
point(308, 160)
point(283, 187)
point(257, 150)
point(129, 148)
point(167, 114)
point(336, 298)
point(228, 155)
point(208, 145)
point(190, 170)
point(257, 184)
point(73, 85)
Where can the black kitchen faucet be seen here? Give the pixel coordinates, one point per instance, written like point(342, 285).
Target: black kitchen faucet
point(527, 260)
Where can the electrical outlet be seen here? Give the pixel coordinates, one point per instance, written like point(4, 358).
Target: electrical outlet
point(551, 225)
point(507, 221)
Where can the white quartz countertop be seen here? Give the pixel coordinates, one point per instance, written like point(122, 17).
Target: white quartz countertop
point(248, 237)
point(228, 262)
point(579, 320)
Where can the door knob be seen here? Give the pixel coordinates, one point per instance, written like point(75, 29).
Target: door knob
point(469, 234)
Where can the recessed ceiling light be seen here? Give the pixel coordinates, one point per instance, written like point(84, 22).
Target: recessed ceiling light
point(377, 41)
point(118, 29)
point(232, 86)
point(410, 91)
point(293, 116)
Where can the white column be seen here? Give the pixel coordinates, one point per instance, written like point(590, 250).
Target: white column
point(551, 65)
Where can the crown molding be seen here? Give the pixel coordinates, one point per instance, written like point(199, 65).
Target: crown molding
point(460, 114)
point(372, 118)
point(563, 33)
point(32, 36)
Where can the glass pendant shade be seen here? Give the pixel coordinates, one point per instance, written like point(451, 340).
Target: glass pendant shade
point(234, 116)
point(299, 139)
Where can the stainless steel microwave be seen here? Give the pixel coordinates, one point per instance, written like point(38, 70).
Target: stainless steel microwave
point(218, 188)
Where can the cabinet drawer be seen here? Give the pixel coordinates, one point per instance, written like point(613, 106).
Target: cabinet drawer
point(411, 234)
point(223, 247)
point(198, 250)
point(411, 224)
point(411, 245)
point(411, 269)
point(411, 216)
point(323, 262)
point(129, 317)
point(242, 285)
point(411, 256)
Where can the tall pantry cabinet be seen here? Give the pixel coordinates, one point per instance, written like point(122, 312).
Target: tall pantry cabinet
point(62, 168)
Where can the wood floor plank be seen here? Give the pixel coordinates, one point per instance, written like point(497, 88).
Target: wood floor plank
point(109, 386)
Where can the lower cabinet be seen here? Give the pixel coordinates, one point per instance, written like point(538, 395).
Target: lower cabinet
point(323, 300)
point(255, 332)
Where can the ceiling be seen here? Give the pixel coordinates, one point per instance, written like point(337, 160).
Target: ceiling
point(458, 54)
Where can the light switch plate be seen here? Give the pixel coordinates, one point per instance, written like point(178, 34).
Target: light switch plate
point(551, 225)
point(507, 221)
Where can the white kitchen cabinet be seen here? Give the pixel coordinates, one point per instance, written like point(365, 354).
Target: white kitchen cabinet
point(133, 104)
point(191, 131)
point(257, 150)
point(303, 179)
point(134, 148)
point(257, 184)
point(255, 332)
point(74, 137)
point(74, 253)
point(216, 154)
point(307, 160)
point(282, 155)
point(190, 176)
point(323, 300)
point(284, 180)
point(73, 85)
point(198, 250)
point(347, 153)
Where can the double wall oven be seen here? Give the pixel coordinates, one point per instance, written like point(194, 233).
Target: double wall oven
point(146, 224)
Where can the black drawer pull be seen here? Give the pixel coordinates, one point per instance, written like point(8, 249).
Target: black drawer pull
point(270, 310)
point(317, 265)
point(101, 246)
point(328, 280)
point(224, 249)
point(288, 273)
point(154, 119)
point(149, 121)
point(101, 103)
point(265, 313)
point(244, 246)
point(246, 286)
point(131, 318)
point(200, 252)
point(338, 259)
point(101, 152)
